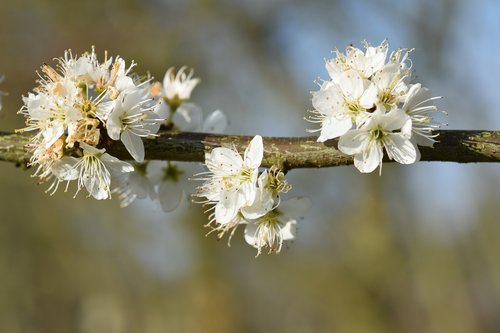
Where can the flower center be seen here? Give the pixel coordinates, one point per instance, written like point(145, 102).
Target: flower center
point(387, 98)
point(377, 134)
point(353, 106)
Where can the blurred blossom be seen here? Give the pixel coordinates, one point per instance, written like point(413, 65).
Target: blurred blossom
point(178, 87)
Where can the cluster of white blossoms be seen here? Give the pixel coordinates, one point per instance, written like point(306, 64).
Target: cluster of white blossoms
point(83, 105)
point(370, 104)
point(238, 194)
point(79, 106)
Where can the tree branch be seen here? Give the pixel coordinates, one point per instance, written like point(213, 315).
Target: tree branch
point(289, 153)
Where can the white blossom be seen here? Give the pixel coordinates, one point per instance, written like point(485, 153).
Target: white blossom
point(231, 184)
point(277, 226)
point(339, 107)
point(391, 130)
point(391, 83)
point(93, 171)
point(135, 185)
point(365, 63)
point(178, 86)
point(417, 106)
point(130, 120)
point(263, 211)
point(271, 183)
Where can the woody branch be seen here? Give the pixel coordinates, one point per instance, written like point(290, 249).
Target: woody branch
point(461, 146)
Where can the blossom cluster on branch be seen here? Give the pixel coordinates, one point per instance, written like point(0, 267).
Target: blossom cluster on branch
point(83, 104)
point(238, 195)
point(369, 103)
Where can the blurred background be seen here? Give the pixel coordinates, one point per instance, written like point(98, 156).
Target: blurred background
point(415, 250)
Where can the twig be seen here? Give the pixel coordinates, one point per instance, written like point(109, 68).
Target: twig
point(462, 146)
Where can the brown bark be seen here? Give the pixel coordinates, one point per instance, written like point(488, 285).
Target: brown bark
point(462, 146)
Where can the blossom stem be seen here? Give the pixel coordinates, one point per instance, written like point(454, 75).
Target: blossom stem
point(173, 108)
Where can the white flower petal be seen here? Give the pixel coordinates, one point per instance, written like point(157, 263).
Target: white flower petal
point(334, 126)
point(114, 124)
point(91, 150)
point(132, 100)
point(385, 78)
point(247, 192)
point(251, 234)
point(334, 70)
point(134, 145)
point(64, 168)
point(417, 96)
point(422, 140)
point(151, 123)
point(370, 160)
point(224, 214)
point(395, 120)
point(353, 141)
point(179, 85)
point(188, 117)
point(52, 133)
point(116, 166)
point(223, 161)
point(262, 204)
point(352, 85)
point(124, 83)
point(98, 186)
point(328, 100)
point(369, 96)
point(402, 150)
point(216, 122)
point(162, 110)
point(155, 171)
point(254, 152)
point(104, 109)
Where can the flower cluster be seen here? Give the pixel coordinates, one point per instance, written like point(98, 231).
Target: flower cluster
point(79, 106)
point(370, 104)
point(82, 105)
point(238, 194)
